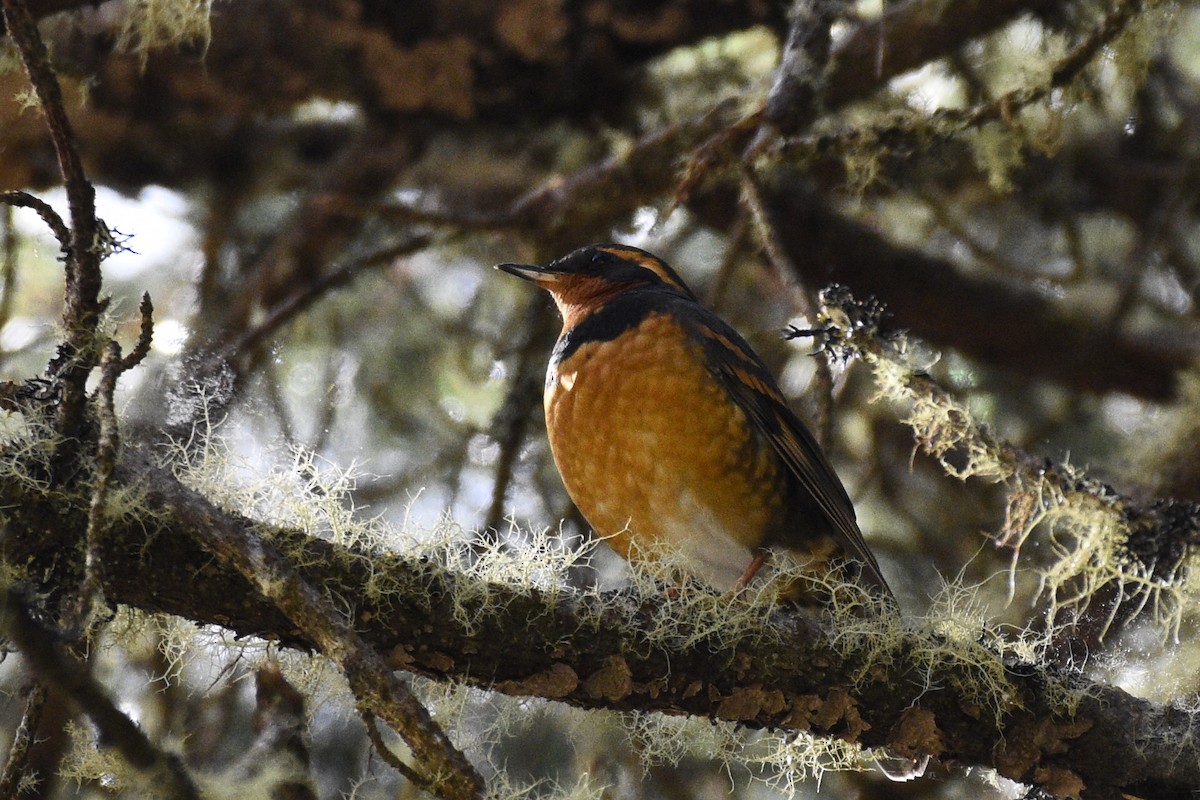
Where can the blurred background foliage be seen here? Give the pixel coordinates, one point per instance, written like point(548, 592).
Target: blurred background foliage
point(314, 193)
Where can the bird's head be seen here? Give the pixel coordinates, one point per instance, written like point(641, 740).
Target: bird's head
point(587, 278)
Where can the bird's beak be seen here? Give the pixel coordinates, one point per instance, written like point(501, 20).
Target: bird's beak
point(530, 272)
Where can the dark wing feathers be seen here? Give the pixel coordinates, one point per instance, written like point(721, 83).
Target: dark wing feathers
point(750, 384)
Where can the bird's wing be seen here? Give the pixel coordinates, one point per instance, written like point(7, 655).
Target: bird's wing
point(750, 384)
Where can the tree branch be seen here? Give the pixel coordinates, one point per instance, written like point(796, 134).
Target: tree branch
point(50, 664)
point(998, 322)
point(44, 210)
point(787, 670)
point(82, 310)
point(447, 772)
point(912, 34)
point(12, 780)
point(797, 95)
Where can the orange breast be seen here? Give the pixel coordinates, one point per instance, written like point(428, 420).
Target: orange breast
point(656, 456)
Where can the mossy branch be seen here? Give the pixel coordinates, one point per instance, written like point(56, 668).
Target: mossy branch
point(860, 679)
point(447, 773)
point(1099, 537)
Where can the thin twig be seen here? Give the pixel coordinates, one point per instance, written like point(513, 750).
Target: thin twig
point(337, 276)
point(13, 779)
point(145, 335)
point(91, 589)
point(1062, 74)
point(44, 210)
point(510, 426)
point(164, 771)
point(385, 752)
point(785, 271)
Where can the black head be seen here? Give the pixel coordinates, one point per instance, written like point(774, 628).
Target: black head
point(616, 264)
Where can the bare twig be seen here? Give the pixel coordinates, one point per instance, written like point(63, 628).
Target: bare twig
point(91, 589)
point(510, 426)
point(787, 272)
point(159, 769)
point(385, 752)
point(13, 779)
point(44, 210)
point(334, 278)
point(145, 335)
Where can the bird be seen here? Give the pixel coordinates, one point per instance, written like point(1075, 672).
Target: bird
point(672, 436)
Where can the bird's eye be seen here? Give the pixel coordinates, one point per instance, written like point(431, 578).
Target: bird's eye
point(599, 258)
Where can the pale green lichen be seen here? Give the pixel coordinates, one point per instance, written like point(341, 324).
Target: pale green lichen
point(1079, 520)
point(149, 24)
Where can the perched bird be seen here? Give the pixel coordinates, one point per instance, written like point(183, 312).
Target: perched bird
point(672, 436)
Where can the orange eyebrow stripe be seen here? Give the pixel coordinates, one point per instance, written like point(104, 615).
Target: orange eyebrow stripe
point(650, 262)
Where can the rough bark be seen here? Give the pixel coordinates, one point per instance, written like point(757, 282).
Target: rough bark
point(601, 650)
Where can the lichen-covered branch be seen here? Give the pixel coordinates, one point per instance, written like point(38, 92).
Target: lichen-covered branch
point(1098, 537)
point(913, 690)
point(447, 772)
